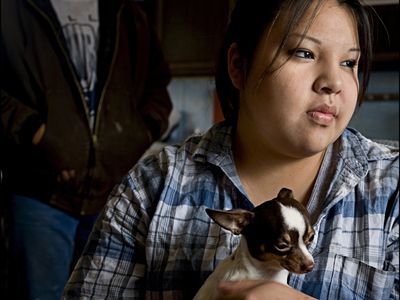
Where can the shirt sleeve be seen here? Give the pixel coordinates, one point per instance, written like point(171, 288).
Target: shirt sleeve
point(113, 264)
point(393, 249)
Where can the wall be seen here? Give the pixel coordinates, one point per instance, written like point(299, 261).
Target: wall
point(193, 99)
point(380, 119)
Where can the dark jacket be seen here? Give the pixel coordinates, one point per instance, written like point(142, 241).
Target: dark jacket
point(39, 85)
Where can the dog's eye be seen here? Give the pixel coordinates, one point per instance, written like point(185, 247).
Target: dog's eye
point(282, 247)
point(311, 238)
point(309, 241)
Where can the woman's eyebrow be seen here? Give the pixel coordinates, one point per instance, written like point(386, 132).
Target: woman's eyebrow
point(305, 37)
point(355, 50)
point(317, 41)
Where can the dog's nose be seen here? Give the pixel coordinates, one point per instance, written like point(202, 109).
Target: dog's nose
point(308, 267)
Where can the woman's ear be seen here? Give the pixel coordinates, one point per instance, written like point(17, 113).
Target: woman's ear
point(235, 66)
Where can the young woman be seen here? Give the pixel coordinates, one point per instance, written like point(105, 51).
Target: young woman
point(288, 85)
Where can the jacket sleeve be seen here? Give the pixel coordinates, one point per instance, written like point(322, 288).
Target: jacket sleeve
point(18, 122)
point(157, 102)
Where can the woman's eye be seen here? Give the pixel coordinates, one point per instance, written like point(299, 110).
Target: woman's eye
point(350, 64)
point(301, 53)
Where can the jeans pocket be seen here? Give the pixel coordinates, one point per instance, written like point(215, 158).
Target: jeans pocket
point(354, 279)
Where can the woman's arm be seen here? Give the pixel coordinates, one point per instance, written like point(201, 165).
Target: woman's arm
point(113, 264)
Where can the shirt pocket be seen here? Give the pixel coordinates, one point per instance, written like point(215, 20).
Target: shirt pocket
point(354, 279)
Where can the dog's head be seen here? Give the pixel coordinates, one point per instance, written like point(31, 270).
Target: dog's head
point(277, 231)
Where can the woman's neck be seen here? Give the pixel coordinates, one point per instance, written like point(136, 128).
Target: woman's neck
point(263, 173)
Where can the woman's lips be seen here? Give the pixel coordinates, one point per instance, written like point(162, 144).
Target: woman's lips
point(323, 114)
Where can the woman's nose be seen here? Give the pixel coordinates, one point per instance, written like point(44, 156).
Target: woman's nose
point(329, 81)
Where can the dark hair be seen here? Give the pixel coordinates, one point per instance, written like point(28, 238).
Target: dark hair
point(249, 20)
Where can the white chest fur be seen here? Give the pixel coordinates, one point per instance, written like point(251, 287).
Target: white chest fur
point(239, 266)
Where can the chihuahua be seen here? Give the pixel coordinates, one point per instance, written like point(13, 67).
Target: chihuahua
point(274, 240)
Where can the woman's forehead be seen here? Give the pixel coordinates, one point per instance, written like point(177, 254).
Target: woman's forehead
point(329, 17)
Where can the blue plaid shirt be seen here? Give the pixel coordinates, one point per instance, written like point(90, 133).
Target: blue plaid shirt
point(154, 239)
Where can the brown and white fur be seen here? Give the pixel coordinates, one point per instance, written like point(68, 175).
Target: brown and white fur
point(274, 240)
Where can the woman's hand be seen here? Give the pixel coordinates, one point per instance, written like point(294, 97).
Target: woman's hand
point(257, 290)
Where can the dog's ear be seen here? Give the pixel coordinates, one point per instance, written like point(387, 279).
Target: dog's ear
point(285, 193)
point(233, 220)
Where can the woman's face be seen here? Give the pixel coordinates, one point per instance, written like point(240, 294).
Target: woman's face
point(306, 104)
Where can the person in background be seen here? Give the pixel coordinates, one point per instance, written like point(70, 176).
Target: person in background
point(83, 95)
point(288, 85)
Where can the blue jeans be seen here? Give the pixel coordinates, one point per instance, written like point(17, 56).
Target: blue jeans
point(43, 244)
